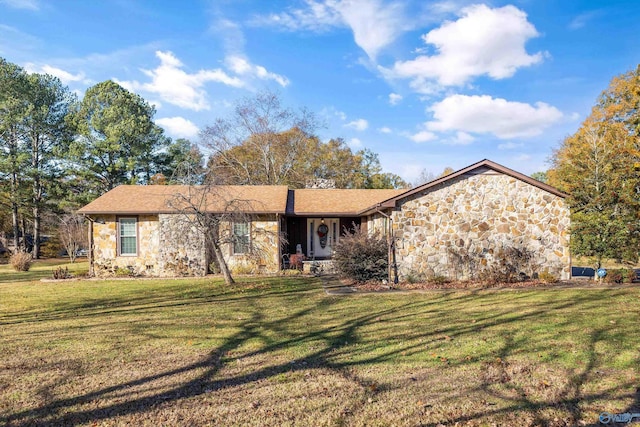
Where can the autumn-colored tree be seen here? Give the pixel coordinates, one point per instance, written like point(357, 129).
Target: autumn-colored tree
point(264, 143)
point(596, 167)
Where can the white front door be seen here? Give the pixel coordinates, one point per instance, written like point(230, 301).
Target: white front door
point(322, 235)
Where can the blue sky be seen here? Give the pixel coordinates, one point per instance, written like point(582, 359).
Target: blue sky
point(425, 84)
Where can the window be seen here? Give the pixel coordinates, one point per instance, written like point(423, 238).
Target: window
point(240, 237)
point(128, 236)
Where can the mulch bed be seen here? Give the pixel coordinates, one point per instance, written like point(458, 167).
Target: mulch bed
point(466, 285)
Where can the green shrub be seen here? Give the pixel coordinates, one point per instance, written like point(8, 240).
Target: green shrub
point(361, 256)
point(21, 261)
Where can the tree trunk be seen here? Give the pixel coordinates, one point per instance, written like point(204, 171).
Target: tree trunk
point(36, 232)
point(224, 268)
point(214, 231)
point(16, 226)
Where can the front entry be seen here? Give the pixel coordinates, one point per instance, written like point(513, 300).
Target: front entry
point(323, 234)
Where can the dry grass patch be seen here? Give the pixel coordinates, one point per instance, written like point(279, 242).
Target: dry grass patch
point(280, 352)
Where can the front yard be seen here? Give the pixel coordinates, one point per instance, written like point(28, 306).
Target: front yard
point(279, 351)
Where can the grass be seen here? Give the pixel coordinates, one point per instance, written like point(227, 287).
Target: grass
point(41, 269)
point(280, 352)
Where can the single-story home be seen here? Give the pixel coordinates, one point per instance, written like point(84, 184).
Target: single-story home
point(447, 227)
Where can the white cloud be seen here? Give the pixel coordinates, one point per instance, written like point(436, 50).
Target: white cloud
point(483, 41)
point(394, 98)
point(487, 115)
point(461, 138)
point(64, 76)
point(384, 129)
point(175, 86)
point(422, 136)
point(581, 20)
point(22, 4)
point(374, 24)
point(510, 145)
point(179, 127)
point(243, 67)
point(355, 143)
point(317, 16)
point(359, 125)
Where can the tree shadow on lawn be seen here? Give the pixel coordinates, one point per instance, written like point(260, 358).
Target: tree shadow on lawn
point(330, 355)
point(98, 307)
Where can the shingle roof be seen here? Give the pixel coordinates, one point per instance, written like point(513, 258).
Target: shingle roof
point(337, 202)
point(152, 199)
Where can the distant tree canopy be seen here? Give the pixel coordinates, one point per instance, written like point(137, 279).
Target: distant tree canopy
point(58, 153)
point(265, 143)
point(599, 166)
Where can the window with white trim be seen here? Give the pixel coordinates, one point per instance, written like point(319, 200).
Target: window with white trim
point(128, 236)
point(240, 237)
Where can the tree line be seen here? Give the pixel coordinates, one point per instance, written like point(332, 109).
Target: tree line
point(599, 167)
point(58, 152)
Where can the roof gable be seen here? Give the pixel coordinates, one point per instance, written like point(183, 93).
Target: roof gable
point(476, 167)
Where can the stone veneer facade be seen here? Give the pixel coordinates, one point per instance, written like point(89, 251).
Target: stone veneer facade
point(170, 246)
point(474, 216)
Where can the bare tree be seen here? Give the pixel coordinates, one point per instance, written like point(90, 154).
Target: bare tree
point(212, 210)
point(73, 234)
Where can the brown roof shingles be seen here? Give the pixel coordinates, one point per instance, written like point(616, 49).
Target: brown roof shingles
point(153, 199)
point(338, 201)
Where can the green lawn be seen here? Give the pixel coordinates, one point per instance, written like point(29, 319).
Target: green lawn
point(279, 352)
point(42, 269)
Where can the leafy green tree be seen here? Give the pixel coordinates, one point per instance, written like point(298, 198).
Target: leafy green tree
point(596, 167)
point(540, 176)
point(45, 130)
point(117, 142)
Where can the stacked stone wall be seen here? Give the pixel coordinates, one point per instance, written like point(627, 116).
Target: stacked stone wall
point(182, 249)
point(106, 258)
point(264, 242)
point(475, 219)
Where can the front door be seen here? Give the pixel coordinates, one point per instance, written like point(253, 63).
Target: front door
point(323, 234)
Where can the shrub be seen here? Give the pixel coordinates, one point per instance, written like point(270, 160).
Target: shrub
point(21, 261)
point(547, 277)
point(61, 273)
point(630, 275)
point(440, 280)
point(124, 272)
point(613, 276)
point(361, 256)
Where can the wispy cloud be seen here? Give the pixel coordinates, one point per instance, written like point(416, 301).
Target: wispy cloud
point(176, 86)
point(394, 98)
point(582, 20)
point(359, 124)
point(65, 76)
point(385, 129)
point(374, 23)
point(242, 67)
point(22, 4)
